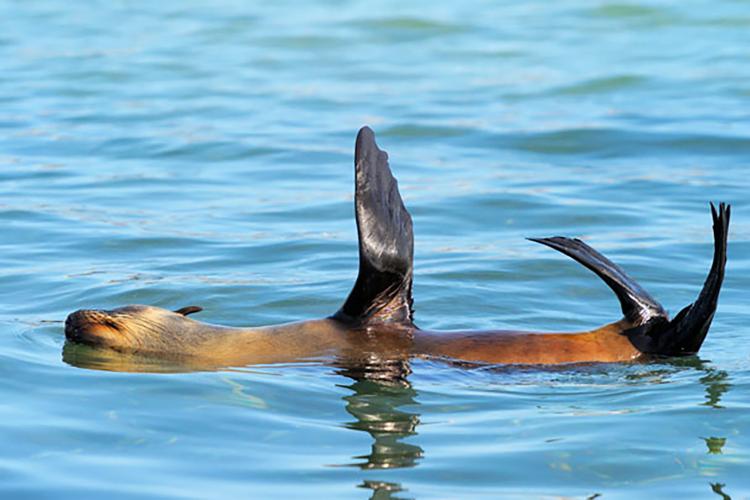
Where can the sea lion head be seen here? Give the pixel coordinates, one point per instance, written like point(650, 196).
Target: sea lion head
point(127, 328)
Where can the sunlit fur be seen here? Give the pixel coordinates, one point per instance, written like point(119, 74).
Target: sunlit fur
point(132, 328)
point(156, 331)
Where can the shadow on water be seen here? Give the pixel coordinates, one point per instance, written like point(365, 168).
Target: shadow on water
point(376, 405)
point(92, 358)
point(380, 390)
point(717, 384)
point(718, 489)
point(383, 401)
point(382, 490)
point(715, 381)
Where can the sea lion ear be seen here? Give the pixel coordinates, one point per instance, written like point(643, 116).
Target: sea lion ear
point(189, 310)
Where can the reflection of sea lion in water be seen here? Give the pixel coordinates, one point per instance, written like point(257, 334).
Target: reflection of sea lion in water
point(376, 319)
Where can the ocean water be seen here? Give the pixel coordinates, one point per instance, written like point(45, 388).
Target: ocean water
point(180, 153)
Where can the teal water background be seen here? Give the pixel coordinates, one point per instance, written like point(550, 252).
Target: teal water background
point(178, 153)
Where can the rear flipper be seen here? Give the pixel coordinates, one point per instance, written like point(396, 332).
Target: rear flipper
point(382, 292)
point(652, 331)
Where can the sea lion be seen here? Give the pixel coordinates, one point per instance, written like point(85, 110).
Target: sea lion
point(376, 320)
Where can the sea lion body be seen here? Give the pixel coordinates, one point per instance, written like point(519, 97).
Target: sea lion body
point(376, 320)
point(155, 331)
point(603, 345)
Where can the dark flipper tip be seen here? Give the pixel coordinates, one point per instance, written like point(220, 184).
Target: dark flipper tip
point(364, 135)
point(685, 334)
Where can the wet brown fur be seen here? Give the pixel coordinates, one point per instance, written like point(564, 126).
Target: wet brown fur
point(159, 332)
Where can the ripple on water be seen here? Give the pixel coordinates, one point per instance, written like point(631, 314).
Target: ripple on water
point(202, 154)
point(620, 83)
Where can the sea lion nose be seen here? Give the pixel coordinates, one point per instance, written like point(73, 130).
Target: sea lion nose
point(76, 321)
point(72, 323)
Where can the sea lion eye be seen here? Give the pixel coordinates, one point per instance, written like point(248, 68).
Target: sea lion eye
point(110, 324)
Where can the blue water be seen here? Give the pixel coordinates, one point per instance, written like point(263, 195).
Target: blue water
point(179, 153)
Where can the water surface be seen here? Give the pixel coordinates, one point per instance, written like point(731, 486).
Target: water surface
point(176, 154)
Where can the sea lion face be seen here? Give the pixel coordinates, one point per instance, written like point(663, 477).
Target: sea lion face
point(126, 328)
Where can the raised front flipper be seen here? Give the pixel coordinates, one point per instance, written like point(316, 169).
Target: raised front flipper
point(382, 292)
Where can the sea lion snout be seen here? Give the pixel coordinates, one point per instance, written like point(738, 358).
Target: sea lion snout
point(91, 326)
